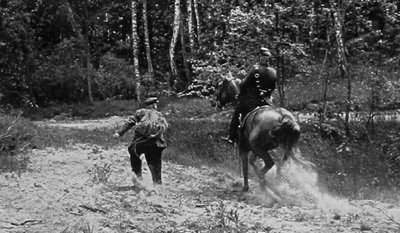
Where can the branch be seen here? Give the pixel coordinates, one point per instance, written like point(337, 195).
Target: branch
point(93, 209)
point(391, 218)
point(6, 134)
point(364, 37)
point(30, 221)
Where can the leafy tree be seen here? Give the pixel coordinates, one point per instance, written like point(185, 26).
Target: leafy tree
point(61, 77)
point(114, 78)
point(222, 36)
point(18, 60)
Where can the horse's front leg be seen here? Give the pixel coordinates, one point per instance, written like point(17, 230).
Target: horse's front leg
point(259, 173)
point(245, 168)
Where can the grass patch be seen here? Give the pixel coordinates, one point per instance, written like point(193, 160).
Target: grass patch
point(186, 107)
point(60, 137)
point(178, 107)
point(363, 168)
point(197, 142)
point(82, 110)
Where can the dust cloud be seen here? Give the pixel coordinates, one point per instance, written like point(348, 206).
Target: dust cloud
point(300, 186)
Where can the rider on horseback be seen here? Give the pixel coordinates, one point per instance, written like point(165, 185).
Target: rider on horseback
point(254, 90)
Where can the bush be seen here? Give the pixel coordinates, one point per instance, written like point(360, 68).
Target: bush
point(16, 136)
point(61, 76)
point(114, 78)
point(363, 167)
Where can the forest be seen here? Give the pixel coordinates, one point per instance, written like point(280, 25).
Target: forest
point(83, 51)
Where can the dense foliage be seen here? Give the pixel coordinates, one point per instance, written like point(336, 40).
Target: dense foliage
point(16, 136)
point(44, 60)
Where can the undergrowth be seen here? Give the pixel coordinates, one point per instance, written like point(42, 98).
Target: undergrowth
point(96, 110)
point(17, 135)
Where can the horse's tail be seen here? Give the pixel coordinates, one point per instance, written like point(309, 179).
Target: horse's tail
point(288, 133)
point(288, 137)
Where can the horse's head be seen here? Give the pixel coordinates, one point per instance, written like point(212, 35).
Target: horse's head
point(227, 91)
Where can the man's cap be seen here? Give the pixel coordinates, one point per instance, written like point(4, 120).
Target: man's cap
point(151, 100)
point(264, 51)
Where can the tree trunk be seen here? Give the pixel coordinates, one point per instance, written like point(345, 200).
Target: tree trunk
point(135, 44)
point(190, 24)
point(84, 39)
point(87, 54)
point(196, 12)
point(279, 62)
point(325, 67)
point(325, 91)
point(185, 56)
point(174, 39)
point(150, 68)
point(338, 17)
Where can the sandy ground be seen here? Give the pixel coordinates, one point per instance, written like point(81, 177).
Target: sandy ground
point(84, 188)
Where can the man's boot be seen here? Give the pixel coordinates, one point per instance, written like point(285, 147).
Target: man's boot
point(136, 179)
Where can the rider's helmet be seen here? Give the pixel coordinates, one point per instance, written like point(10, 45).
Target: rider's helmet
point(265, 55)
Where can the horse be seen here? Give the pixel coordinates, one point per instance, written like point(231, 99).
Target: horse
point(227, 91)
point(262, 130)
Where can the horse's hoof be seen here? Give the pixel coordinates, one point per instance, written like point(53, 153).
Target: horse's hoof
point(272, 204)
point(245, 189)
point(276, 205)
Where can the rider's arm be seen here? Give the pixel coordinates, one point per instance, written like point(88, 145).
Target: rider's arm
point(247, 80)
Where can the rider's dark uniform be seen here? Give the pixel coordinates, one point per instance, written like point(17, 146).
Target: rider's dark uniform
point(255, 90)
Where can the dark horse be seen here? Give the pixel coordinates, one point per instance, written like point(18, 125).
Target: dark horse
point(227, 91)
point(262, 130)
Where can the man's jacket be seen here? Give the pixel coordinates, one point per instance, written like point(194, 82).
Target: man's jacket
point(150, 127)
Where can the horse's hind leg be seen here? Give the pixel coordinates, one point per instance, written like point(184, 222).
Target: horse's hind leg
point(265, 185)
point(268, 163)
point(279, 165)
point(259, 172)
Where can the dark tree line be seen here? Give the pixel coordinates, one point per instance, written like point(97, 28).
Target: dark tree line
point(73, 51)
